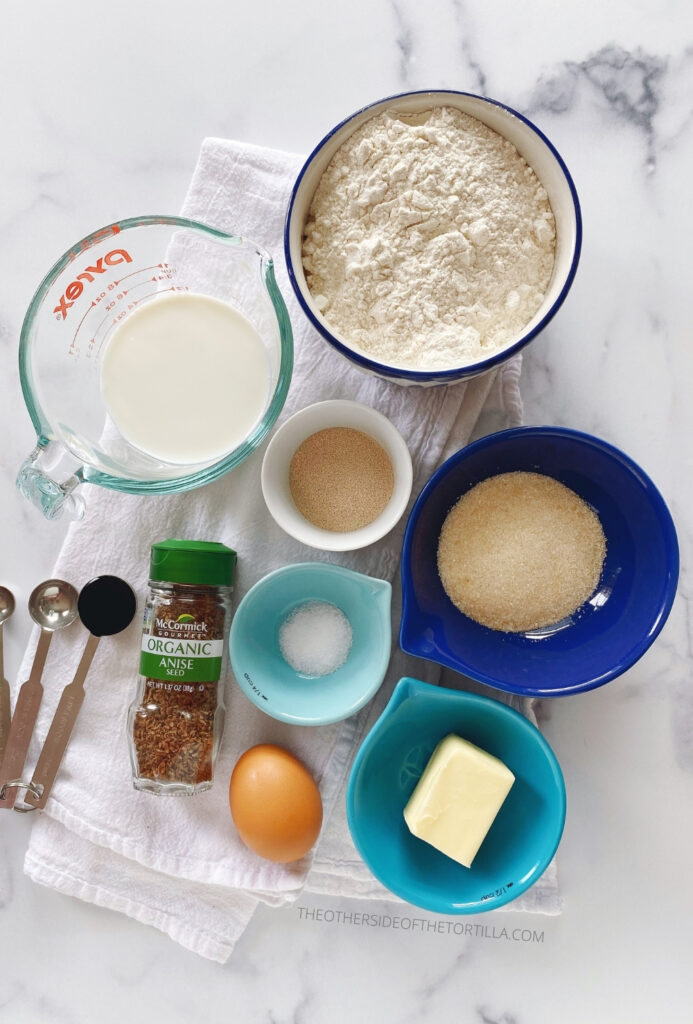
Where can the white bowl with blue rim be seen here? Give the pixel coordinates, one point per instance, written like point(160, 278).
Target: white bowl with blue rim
point(538, 152)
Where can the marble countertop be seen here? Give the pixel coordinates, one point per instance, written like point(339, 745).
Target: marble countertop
point(103, 112)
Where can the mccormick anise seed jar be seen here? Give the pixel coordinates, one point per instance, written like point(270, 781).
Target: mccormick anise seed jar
point(177, 718)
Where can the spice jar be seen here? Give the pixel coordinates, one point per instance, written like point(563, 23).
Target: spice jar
point(176, 720)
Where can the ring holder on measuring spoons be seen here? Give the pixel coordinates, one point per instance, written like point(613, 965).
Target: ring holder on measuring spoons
point(89, 292)
point(106, 606)
point(18, 786)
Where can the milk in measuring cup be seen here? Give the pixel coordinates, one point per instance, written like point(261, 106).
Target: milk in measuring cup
point(185, 378)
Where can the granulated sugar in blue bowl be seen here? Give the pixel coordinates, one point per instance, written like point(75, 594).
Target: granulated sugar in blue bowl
point(610, 631)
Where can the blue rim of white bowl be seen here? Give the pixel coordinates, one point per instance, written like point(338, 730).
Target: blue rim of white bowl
point(471, 369)
point(443, 906)
point(661, 510)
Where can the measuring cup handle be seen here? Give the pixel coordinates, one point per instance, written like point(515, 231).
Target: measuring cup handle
point(39, 480)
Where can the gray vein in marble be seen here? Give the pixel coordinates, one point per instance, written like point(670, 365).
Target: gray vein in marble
point(629, 81)
point(46, 1009)
point(245, 965)
point(676, 119)
point(466, 46)
point(137, 974)
point(300, 1014)
point(543, 710)
point(404, 40)
point(12, 993)
point(435, 985)
point(486, 1018)
point(40, 202)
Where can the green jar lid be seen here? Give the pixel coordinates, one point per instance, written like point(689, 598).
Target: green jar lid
point(204, 562)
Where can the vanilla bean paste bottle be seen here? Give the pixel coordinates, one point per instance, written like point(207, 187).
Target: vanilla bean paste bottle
point(177, 718)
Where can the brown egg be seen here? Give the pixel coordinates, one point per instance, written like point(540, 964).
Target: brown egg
point(275, 803)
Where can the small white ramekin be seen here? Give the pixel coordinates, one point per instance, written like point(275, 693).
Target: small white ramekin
point(292, 433)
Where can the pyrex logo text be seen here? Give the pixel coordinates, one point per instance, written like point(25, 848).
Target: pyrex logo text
point(75, 288)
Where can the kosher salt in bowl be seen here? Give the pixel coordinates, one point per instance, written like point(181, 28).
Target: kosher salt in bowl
point(537, 151)
point(610, 631)
point(522, 839)
point(271, 683)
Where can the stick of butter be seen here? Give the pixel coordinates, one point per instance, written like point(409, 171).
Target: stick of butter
point(457, 798)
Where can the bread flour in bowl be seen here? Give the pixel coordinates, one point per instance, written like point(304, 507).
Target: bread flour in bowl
point(431, 235)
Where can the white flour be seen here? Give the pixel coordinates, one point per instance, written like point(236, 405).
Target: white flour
point(429, 242)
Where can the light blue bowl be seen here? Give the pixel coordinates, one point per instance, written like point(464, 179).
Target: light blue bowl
point(521, 841)
point(270, 682)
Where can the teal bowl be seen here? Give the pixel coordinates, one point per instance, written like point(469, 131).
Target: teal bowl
point(271, 683)
point(522, 839)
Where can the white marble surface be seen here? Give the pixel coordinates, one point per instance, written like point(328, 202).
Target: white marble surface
point(102, 113)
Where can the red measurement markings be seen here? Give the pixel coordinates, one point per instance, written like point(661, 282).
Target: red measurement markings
point(142, 270)
point(89, 309)
point(73, 347)
point(107, 317)
point(119, 298)
point(148, 280)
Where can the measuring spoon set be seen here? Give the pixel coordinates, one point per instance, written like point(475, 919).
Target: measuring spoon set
point(106, 606)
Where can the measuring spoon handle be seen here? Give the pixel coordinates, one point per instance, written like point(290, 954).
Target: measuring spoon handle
point(23, 721)
point(5, 714)
point(21, 729)
point(5, 706)
point(60, 731)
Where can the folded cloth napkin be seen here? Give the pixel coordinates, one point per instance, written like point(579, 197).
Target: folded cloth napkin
point(178, 864)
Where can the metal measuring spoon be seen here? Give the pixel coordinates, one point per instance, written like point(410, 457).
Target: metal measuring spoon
point(106, 607)
point(6, 609)
point(52, 606)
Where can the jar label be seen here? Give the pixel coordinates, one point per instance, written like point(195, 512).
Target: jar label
point(181, 658)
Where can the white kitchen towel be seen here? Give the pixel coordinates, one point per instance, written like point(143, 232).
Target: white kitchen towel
point(178, 864)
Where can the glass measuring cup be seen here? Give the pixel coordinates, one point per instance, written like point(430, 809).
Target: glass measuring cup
point(66, 330)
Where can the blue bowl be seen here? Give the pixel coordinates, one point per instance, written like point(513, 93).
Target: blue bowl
point(271, 683)
point(604, 637)
point(522, 839)
point(539, 153)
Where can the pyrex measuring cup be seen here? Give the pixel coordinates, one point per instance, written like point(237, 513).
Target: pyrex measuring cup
point(88, 292)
